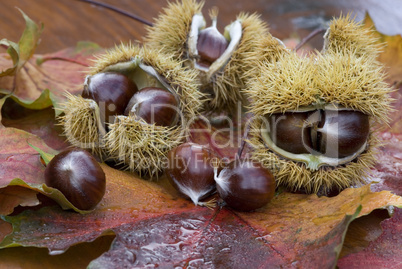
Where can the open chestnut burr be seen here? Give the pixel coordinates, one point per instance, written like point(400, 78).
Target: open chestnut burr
point(319, 137)
point(315, 117)
point(134, 108)
point(211, 44)
point(224, 60)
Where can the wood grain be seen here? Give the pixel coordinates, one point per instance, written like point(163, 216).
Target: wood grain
point(69, 21)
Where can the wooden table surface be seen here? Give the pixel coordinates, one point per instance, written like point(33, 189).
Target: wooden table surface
point(69, 21)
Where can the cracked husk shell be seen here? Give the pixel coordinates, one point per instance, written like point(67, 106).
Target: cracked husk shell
point(345, 74)
point(171, 31)
point(139, 146)
point(81, 124)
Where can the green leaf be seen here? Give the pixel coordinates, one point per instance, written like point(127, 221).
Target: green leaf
point(29, 39)
point(47, 157)
point(43, 101)
point(13, 51)
point(22, 51)
point(2, 100)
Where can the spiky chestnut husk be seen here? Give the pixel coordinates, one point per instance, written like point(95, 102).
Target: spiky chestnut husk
point(182, 80)
point(342, 36)
point(147, 68)
point(148, 157)
point(140, 146)
point(171, 33)
point(297, 176)
point(82, 125)
point(344, 76)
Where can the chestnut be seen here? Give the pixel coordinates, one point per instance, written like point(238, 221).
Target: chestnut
point(210, 45)
point(77, 174)
point(288, 132)
point(111, 91)
point(245, 185)
point(331, 133)
point(191, 171)
point(155, 106)
point(342, 133)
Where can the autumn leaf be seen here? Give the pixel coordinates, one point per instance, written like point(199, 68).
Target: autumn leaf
point(41, 86)
point(14, 196)
point(392, 52)
point(22, 167)
point(160, 228)
point(78, 256)
point(383, 252)
point(12, 50)
point(41, 123)
point(23, 50)
point(132, 204)
point(38, 82)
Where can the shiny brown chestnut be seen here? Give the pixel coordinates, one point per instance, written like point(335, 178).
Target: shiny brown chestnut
point(155, 106)
point(331, 133)
point(77, 174)
point(342, 133)
point(191, 171)
point(111, 91)
point(245, 185)
point(211, 44)
point(288, 131)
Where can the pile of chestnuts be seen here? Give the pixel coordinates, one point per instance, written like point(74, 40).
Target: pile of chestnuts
point(197, 172)
point(311, 122)
point(111, 91)
point(134, 108)
point(119, 96)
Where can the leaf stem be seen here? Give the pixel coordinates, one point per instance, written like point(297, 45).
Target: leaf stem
point(40, 61)
point(243, 142)
point(118, 10)
point(309, 37)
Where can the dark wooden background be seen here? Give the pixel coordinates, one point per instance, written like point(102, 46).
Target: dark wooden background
point(69, 21)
